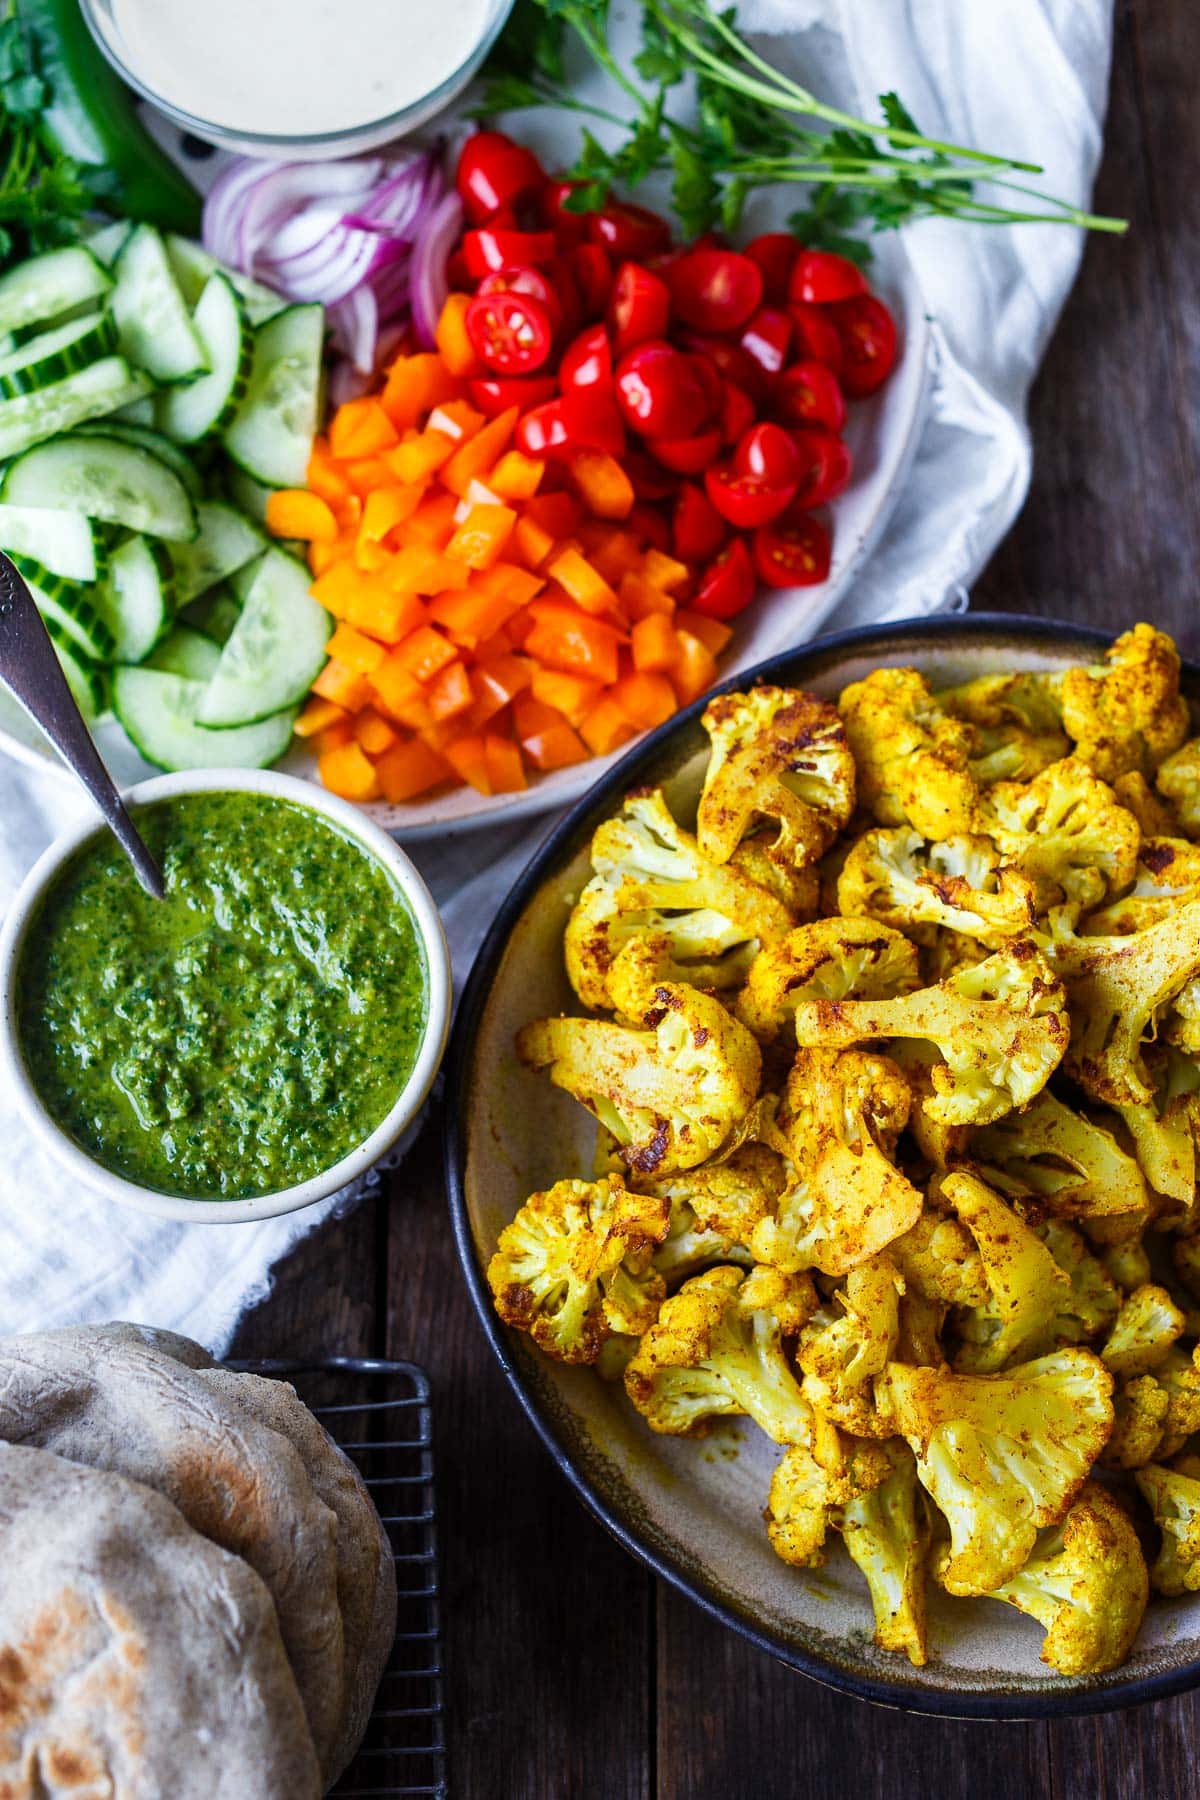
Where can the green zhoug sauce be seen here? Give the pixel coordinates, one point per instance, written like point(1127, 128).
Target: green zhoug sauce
point(245, 1033)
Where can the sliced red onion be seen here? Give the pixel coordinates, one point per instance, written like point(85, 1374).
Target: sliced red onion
point(432, 252)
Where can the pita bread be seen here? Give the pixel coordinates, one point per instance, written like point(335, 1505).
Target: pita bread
point(110, 1399)
point(137, 1659)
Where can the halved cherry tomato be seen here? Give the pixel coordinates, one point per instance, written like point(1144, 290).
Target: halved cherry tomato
point(744, 500)
point(868, 334)
point(490, 248)
point(651, 481)
point(593, 273)
point(795, 551)
point(727, 585)
point(593, 419)
point(658, 391)
point(570, 228)
point(458, 276)
point(737, 412)
point(511, 333)
point(715, 290)
point(494, 394)
point(808, 394)
point(767, 339)
point(494, 172)
point(768, 453)
point(825, 466)
point(526, 281)
point(587, 361)
point(730, 360)
point(650, 523)
point(638, 308)
point(822, 276)
point(697, 528)
point(689, 455)
point(815, 336)
point(543, 432)
point(630, 233)
point(774, 252)
point(709, 377)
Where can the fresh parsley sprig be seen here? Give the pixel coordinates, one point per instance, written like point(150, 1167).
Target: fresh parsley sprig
point(43, 195)
point(746, 131)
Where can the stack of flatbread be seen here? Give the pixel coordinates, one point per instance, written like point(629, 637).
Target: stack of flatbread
point(197, 1597)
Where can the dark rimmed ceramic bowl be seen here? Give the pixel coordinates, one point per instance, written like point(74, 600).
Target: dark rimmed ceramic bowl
point(692, 1510)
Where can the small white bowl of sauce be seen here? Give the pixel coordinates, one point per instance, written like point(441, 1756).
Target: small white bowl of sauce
point(297, 79)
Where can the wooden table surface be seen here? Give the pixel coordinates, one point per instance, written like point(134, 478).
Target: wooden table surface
point(571, 1672)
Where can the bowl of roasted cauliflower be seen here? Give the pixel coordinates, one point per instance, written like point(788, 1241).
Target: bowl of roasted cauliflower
point(824, 1161)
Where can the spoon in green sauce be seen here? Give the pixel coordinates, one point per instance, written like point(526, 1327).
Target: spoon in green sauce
point(33, 675)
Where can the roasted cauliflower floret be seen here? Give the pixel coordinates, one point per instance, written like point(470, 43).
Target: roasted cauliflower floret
point(670, 1092)
point(715, 1208)
point(1025, 1284)
point(1092, 1299)
point(810, 1481)
point(1140, 1406)
point(1126, 713)
point(940, 1260)
point(1002, 1455)
point(1152, 813)
point(1164, 1127)
point(1178, 781)
point(1117, 997)
point(1178, 1375)
point(780, 758)
point(844, 1198)
point(829, 959)
point(959, 884)
point(652, 880)
point(574, 1266)
point(1168, 871)
point(847, 1342)
point(1001, 1028)
point(1072, 1164)
point(1018, 724)
point(1086, 1582)
point(912, 758)
point(886, 1530)
point(1144, 1330)
point(1064, 827)
point(1174, 1499)
point(716, 1349)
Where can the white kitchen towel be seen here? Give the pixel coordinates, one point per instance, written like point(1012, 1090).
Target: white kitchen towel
point(1028, 77)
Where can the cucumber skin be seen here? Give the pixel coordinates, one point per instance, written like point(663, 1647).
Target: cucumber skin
point(125, 680)
point(18, 470)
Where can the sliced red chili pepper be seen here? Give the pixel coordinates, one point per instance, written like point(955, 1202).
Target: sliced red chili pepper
point(727, 585)
point(815, 336)
point(593, 419)
point(511, 333)
point(690, 455)
point(629, 233)
point(869, 346)
point(737, 412)
point(767, 339)
point(768, 453)
point(697, 528)
point(658, 391)
point(714, 289)
point(458, 276)
point(494, 172)
point(570, 228)
point(775, 252)
point(587, 360)
point(494, 394)
point(638, 308)
point(743, 500)
point(808, 394)
point(526, 281)
point(794, 551)
point(543, 432)
point(825, 466)
point(489, 248)
point(593, 273)
point(647, 520)
point(822, 276)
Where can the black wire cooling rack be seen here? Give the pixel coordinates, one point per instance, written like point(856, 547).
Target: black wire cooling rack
point(379, 1412)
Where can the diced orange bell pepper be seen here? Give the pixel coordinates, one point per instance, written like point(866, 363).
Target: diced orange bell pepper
point(384, 613)
point(565, 637)
point(456, 418)
point(419, 569)
point(532, 542)
point(333, 736)
point(645, 699)
point(516, 476)
point(295, 513)
point(474, 459)
point(361, 428)
point(450, 335)
point(713, 634)
point(531, 715)
point(365, 473)
point(449, 692)
point(415, 385)
point(418, 457)
point(323, 556)
point(640, 598)
point(468, 759)
point(347, 687)
point(315, 715)
point(357, 652)
point(654, 643)
point(469, 615)
point(664, 571)
point(613, 551)
point(516, 584)
point(559, 514)
point(373, 732)
point(324, 476)
point(388, 506)
point(603, 483)
point(400, 696)
point(695, 671)
point(502, 759)
point(424, 653)
point(583, 583)
point(605, 727)
point(348, 772)
point(432, 523)
point(482, 535)
point(410, 768)
point(504, 677)
point(555, 748)
point(571, 695)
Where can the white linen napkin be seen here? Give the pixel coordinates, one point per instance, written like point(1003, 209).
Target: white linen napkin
point(1029, 79)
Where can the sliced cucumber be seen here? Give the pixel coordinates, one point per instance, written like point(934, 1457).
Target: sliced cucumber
point(215, 614)
point(156, 328)
point(159, 713)
point(106, 479)
point(248, 495)
point(193, 267)
point(70, 607)
point(138, 599)
point(65, 543)
point(107, 243)
point(147, 438)
point(139, 411)
point(275, 652)
point(225, 542)
point(100, 388)
point(243, 579)
point(53, 355)
point(186, 652)
point(206, 406)
point(49, 285)
point(85, 681)
point(272, 432)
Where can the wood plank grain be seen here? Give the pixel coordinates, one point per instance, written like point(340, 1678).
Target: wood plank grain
point(322, 1302)
point(548, 1621)
point(1147, 1751)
